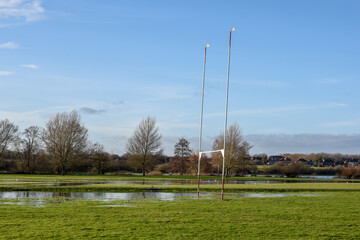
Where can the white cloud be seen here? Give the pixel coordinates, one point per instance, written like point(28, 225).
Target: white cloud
point(9, 3)
point(5, 73)
point(33, 66)
point(9, 45)
point(23, 10)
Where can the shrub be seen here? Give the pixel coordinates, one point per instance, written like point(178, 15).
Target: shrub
point(350, 172)
point(347, 173)
point(163, 168)
point(274, 169)
point(154, 173)
point(328, 170)
point(294, 169)
point(357, 173)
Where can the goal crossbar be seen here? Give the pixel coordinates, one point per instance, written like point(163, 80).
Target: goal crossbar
point(212, 151)
point(200, 154)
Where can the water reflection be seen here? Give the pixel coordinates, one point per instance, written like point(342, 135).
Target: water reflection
point(100, 196)
point(154, 182)
point(103, 196)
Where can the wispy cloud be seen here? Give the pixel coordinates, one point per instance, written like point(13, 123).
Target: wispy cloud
point(263, 83)
point(89, 110)
point(171, 125)
point(24, 119)
point(117, 102)
point(278, 110)
point(17, 11)
point(163, 92)
point(346, 123)
point(5, 73)
point(327, 81)
point(9, 45)
point(33, 66)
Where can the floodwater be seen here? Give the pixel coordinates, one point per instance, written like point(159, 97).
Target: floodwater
point(98, 196)
point(301, 176)
point(57, 183)
point(37, 198)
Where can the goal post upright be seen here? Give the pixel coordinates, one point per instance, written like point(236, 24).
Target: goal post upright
point(225, 125)
point(226, 112)
point(201, 120)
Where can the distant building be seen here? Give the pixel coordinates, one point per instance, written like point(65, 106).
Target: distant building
point(306, 162)
point(302, 160)
point(340, 163)
point(352, 162)
point(257, 160)
point(328, 162)
point(274, 159)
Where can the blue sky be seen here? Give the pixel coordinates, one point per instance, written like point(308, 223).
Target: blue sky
point(294, 81)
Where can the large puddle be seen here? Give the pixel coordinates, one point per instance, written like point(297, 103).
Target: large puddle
point(49, 183)
point(42, 198)
point(58, 183)
point(99, 196)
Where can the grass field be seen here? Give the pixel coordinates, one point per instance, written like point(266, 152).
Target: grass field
point(327, 211)
point(330, 215)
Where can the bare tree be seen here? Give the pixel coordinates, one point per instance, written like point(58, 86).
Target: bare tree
point(65, 138)
point(8, 135)
point(237, 151)
point(182, 153)
point(99, 157)
point(144, 145)
point(29, 148)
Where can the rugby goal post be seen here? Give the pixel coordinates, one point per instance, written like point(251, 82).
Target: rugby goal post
point(225, 127)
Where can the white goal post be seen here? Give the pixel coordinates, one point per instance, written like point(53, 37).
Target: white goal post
point(225, 127)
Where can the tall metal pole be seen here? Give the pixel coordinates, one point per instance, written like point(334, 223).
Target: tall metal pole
point(226, 111)
point(201, 120)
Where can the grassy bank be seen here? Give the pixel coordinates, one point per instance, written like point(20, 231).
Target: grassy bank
point(330, 215)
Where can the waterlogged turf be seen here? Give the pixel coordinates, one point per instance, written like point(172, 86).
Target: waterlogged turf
point(51, 183)
point(327, 215)
point(295, 210)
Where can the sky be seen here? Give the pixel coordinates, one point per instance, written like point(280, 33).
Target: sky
point(294, 75)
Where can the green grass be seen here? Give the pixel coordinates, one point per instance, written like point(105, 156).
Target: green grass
point(330, 215)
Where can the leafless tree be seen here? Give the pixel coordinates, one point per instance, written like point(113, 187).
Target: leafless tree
point(8, 135)
point(99, 157)
point(65, 138)
point(144, 145)
point(29, 147)
point(237, 151)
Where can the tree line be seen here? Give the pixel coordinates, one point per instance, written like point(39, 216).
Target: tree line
point(62, 147)
point(315, 158)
